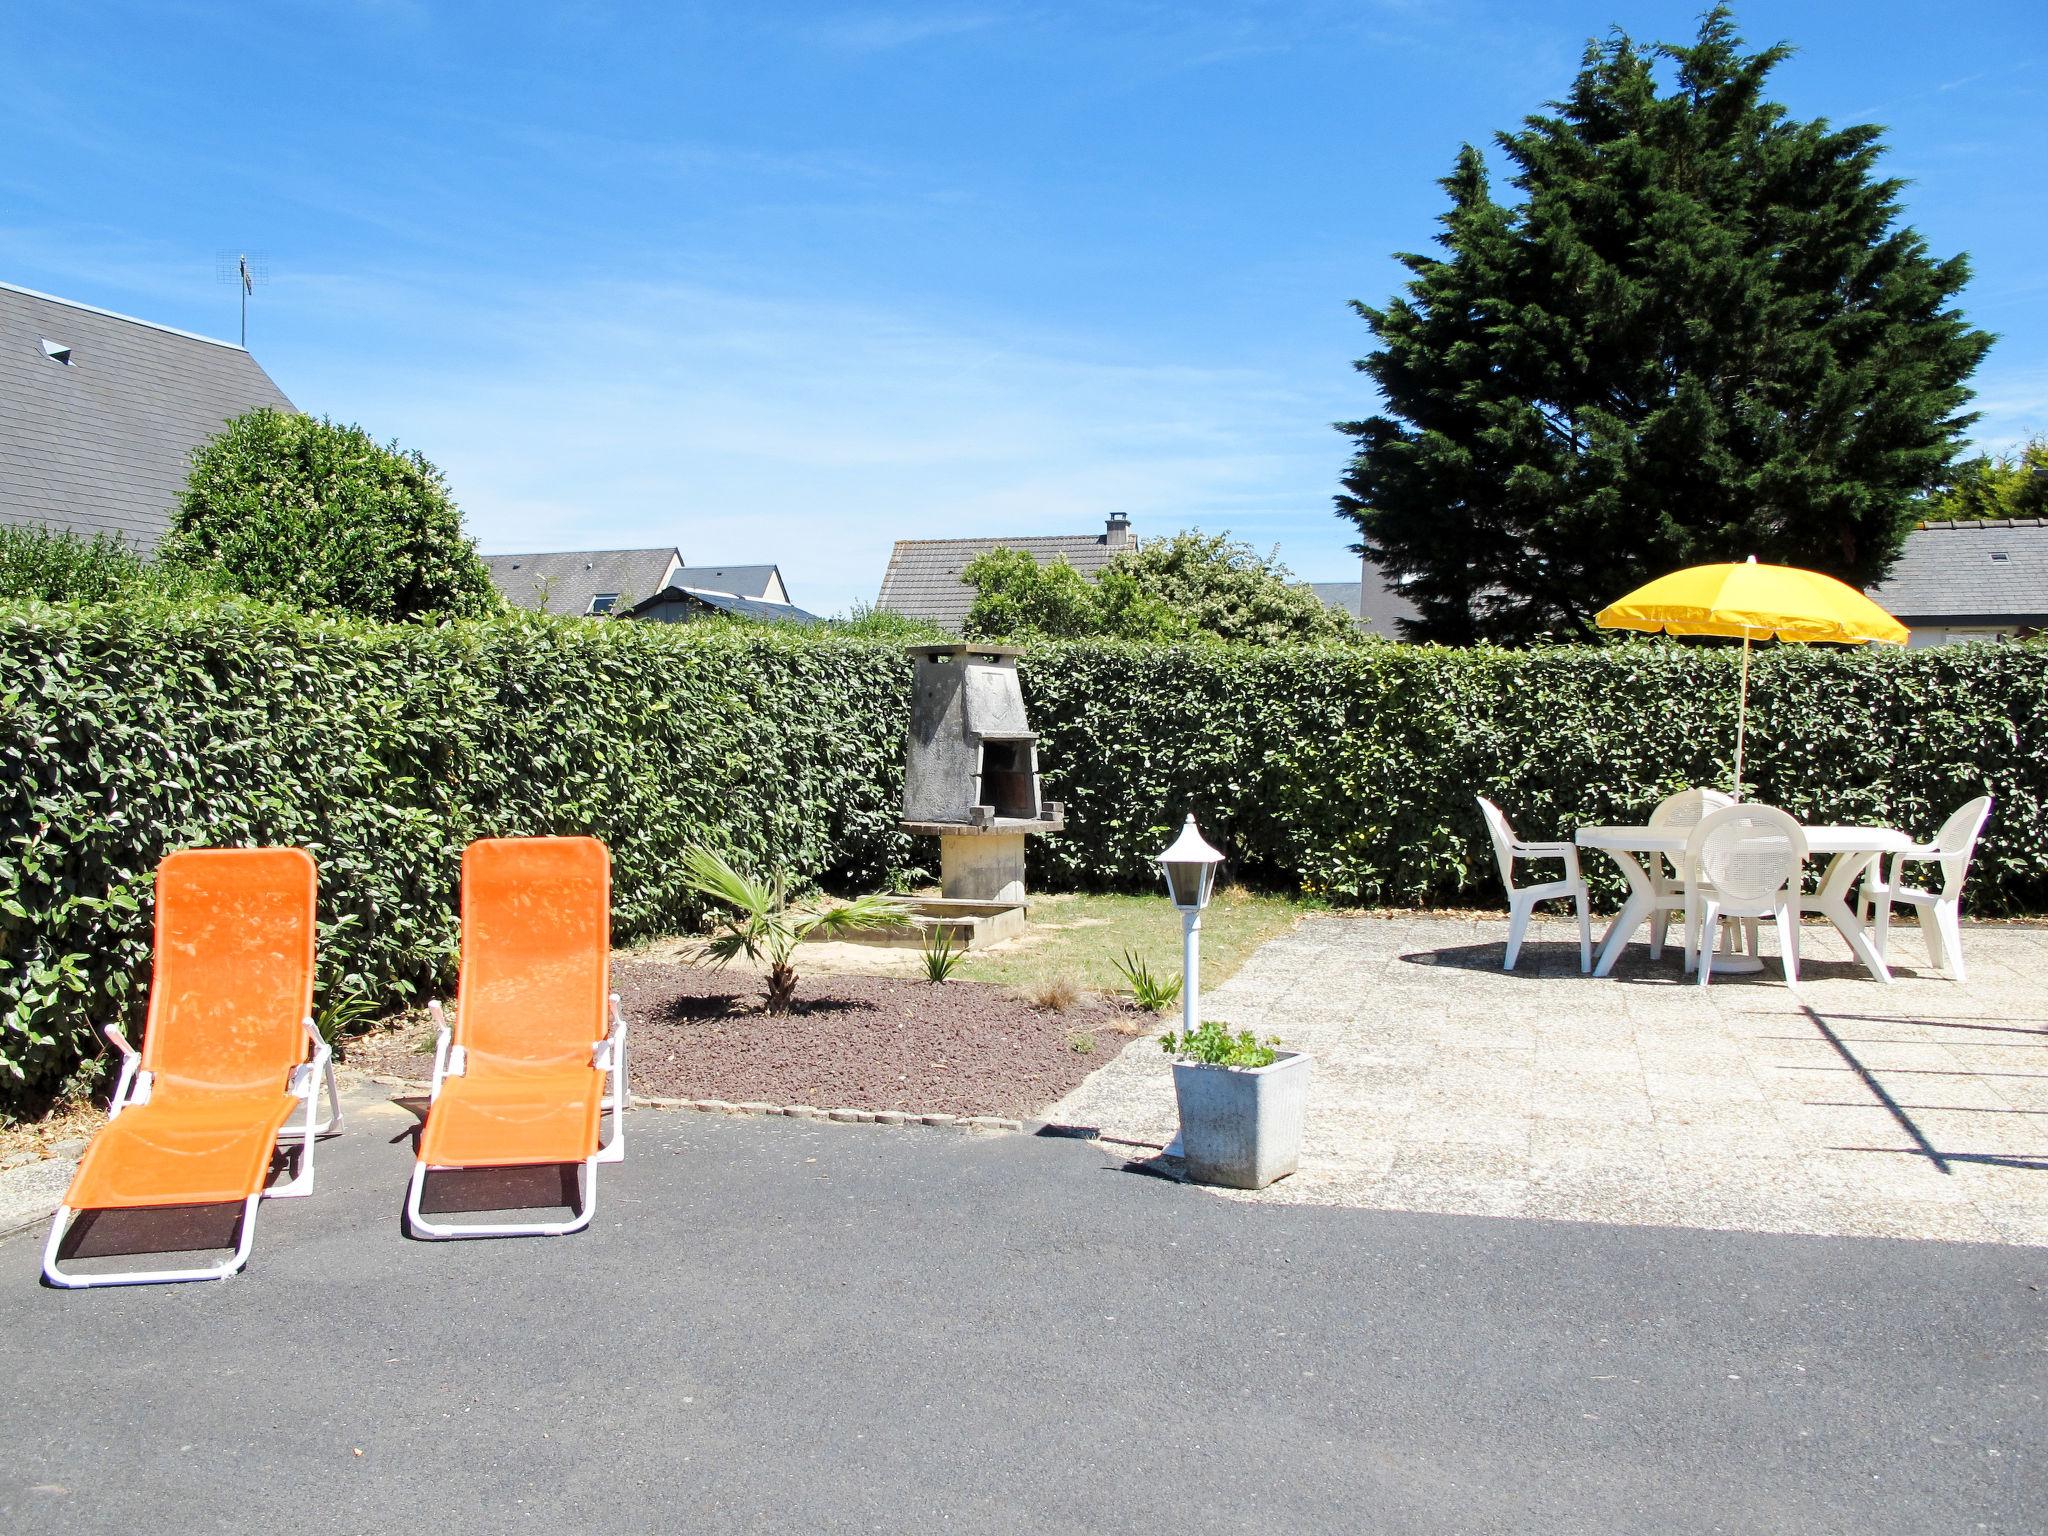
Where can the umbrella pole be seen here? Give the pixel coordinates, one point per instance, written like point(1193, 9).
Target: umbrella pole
point(1742, 715)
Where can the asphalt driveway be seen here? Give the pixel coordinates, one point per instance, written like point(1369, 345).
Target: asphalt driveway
point(789, 1325)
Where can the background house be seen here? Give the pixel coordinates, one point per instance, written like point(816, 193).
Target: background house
point(100, 414)
point(1373, 600)
point(762, 583)
point(678, 603)
point(1958, 582)
point(637, 583)
point(923, 579)
point(573, 581)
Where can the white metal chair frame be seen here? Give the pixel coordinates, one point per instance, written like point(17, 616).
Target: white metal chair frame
point(134, 1087)
point(1507, 848)
point(451, 1060)
point(1940, 911)
point(1775, 895)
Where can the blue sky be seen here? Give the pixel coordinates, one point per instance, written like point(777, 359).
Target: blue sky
point(791, 282)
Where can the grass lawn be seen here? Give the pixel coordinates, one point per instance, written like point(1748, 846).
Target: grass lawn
point(1082, 937)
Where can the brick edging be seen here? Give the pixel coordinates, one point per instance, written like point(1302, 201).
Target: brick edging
point(987, 1125)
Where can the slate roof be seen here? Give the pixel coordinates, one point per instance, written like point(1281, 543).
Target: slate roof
point(1381, 605)
point(102, 443)
point(755, 581)
point(1338, 594)
point(923, 579)
point(722, 602)
point(1375, 603)
point(1993, 572)
point(564, 581)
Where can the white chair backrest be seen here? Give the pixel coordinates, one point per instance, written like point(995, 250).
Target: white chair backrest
point(1688, 807)
point(1503, 837)
point(1747, 853)
point(1957, 840)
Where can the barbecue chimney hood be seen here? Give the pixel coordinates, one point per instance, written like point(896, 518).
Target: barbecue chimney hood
point(971, 769)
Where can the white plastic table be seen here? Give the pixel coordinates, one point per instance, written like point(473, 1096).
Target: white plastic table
point(1848, 850)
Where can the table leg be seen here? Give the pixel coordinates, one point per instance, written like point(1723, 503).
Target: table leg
point(1633, 914)
point(1832, 902)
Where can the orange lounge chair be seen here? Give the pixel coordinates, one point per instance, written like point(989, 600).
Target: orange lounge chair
point(519, 1082)
point(229, 1055)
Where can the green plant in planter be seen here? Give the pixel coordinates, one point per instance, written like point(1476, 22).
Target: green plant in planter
point(941, 956)
point(759, 922)
point(1213, 1045)
point(1154, 994)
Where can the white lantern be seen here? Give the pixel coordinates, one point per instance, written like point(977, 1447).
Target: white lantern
point(1190, 869)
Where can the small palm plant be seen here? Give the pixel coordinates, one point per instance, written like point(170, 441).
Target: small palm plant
point(758, 921)
point(941, 956)
point(1154, 994)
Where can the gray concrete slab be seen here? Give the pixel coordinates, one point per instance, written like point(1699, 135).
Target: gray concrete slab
point(792, 1325)
point(1445, 1084)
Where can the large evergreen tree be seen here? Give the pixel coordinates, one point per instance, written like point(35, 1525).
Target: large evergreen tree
point(1701, 333)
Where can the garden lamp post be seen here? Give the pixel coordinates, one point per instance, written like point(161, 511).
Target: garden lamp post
point(1189, 867)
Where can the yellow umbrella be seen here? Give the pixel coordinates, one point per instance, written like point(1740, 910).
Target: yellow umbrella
point(1752, 601)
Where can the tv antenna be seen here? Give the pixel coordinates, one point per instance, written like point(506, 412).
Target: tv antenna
point(245, 272)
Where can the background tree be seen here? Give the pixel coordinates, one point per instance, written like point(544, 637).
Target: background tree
point(1191, 586)
point(1701, 334)
point(321, 517)
point(1017, 598)
point(1992, 485)
point(53, 565)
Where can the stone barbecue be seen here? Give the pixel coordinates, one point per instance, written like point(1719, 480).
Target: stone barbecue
point(971, 775)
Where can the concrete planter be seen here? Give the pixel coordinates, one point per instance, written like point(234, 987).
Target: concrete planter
point(1241, 1126)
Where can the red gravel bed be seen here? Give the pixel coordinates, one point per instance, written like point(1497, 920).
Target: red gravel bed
point(858, 1042)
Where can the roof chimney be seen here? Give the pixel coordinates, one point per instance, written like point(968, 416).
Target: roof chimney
point(1119, 530)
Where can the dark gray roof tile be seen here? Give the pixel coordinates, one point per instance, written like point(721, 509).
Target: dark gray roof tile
point(103, 444)
point(565, 581)
point(923, 579)
point(1989, 572)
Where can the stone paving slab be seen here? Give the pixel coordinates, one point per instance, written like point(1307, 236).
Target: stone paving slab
point(1443, 1084)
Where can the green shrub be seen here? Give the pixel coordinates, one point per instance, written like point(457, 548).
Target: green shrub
point(133, 728)
point(940, 956)
point(1349, 772)
point(321, 517)
point(1213, 1045)
point(1192, 586)
point(52, 565)
point(129, 730)
point(881, 625)
point(1154, 994)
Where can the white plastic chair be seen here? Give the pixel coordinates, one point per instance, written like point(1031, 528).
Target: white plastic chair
point(1506, 849)
point(1940, 911)
point(1681, 811)
point(1746, 861)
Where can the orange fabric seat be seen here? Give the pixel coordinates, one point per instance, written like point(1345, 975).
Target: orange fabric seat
point(520, 1078)
point(509, 1119)
point(198, 1114)
point(195, 1148)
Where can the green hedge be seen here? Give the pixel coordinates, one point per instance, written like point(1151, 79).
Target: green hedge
point(1350, 773)
point(132, 729)
point(126, 732)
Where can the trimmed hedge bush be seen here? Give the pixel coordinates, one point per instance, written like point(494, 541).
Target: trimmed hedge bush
point(132, 729)
point(1350, 773)
point(128, 731)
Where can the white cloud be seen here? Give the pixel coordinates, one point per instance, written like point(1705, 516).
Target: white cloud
point(753, 427)
point(2012, 407)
